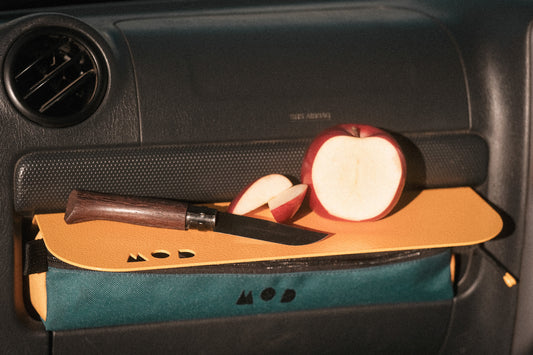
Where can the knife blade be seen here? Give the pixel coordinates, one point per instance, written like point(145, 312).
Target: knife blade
point(85, 206)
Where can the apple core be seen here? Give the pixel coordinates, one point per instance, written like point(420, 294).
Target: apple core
point(357, 178)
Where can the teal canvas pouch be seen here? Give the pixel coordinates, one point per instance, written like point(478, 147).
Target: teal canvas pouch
point(79, 298)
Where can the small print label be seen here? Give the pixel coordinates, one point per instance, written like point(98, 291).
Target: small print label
point(247, 298)
point(310, 116)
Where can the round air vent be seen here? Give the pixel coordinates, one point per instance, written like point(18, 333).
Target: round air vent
point(56, 77)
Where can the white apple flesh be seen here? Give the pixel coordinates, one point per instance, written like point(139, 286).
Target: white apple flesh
point(258, 193)
point(285, 205)
point(354, 172)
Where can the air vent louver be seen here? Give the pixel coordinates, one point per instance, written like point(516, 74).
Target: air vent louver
point(55, 77)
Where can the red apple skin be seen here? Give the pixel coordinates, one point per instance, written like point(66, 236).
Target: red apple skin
point(355, 130)
point(245, 190)
point(237, 198)
point(284, 212)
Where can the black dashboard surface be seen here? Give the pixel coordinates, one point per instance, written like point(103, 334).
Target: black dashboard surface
point(197, 79)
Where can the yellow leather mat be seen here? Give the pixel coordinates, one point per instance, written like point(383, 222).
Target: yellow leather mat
point(430, 219)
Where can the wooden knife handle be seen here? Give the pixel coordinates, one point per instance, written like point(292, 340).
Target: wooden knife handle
point(83, 206)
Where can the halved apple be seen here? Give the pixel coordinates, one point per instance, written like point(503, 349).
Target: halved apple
point(354, 172)
point(259, 193)
point(285, 205)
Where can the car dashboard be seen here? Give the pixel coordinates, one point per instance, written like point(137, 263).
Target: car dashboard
point(192, 100)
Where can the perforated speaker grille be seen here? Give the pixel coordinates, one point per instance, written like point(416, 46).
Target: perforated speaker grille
point(217, 172)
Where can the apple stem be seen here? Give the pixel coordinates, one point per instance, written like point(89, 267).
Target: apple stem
point(355, 131)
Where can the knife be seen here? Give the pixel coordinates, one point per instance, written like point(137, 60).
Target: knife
point(83, 206)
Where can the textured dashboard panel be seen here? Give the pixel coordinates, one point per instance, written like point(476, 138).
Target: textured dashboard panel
point(487, 38)
point(216, 172)
point(280, 75)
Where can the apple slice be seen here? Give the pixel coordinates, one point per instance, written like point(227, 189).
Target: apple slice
point(354, 172)
point(259, 193)
point(284, 206)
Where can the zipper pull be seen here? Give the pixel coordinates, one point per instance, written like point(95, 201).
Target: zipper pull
point(507, 277)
